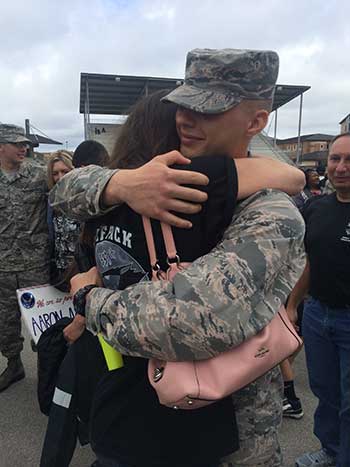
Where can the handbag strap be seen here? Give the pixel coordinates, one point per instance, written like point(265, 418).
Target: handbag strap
point(150, 241)
point(169, 242)
point(173, 259)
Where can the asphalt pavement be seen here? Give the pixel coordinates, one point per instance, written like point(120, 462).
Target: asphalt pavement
point(22, 426)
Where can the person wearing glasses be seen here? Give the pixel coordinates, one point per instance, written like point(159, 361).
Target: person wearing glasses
point(24, 247)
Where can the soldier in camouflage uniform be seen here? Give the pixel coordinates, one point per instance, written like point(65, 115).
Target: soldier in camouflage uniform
point(230, 294)
point(24, 254)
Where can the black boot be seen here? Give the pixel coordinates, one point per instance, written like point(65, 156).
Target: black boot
point(14, 372)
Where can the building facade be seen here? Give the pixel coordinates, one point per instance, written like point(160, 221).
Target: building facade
point(313, 149)
point(309, 143)
point(345, 124)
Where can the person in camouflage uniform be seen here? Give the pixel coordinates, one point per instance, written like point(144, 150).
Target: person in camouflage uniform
point(328, 189)
point(230, 294)
point(24, 253)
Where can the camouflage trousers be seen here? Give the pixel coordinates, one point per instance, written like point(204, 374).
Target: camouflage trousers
point(259, 415)
point(11, 340)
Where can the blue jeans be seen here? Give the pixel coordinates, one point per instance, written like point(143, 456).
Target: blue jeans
point(326, 333)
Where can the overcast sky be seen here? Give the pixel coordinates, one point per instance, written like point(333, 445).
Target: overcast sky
point(46, 44)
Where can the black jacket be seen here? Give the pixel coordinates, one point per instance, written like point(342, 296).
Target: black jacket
point(81, 370)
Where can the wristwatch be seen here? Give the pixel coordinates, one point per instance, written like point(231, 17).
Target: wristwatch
point(79, 299)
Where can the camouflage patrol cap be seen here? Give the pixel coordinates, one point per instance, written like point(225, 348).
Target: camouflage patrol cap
point(12, 134)
point(218, 79)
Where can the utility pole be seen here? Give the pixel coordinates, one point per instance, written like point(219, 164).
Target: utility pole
point(30, 151)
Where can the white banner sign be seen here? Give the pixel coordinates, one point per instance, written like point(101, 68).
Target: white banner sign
point(43, 306)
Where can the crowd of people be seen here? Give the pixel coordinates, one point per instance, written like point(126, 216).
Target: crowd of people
point(182, 158)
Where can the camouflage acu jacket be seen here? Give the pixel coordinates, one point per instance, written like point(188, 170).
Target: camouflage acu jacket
point(222, 299)
point(78, 194)
point(23, 225)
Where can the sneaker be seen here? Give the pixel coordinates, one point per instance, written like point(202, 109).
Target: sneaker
point(319, 458)
point(292, 409)
point(286, 403)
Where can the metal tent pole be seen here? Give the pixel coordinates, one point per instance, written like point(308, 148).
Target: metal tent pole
point(87, 112)
point(275, 132)
point(299, 129)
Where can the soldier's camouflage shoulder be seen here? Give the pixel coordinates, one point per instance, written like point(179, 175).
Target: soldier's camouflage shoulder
point(77, 194)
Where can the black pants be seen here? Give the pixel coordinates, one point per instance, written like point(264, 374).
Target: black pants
point(107, 462)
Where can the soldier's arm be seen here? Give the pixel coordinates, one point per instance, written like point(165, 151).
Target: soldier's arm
point(78, 193)
point(154, 190)
point(256, 173)
point(220, 300)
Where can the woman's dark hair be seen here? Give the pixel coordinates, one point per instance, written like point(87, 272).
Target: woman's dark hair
point(90, 152)
point(149, 130)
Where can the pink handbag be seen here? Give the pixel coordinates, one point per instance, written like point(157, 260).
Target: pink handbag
point(195, 384)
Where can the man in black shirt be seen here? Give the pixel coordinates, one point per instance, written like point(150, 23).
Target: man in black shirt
point(326, 322)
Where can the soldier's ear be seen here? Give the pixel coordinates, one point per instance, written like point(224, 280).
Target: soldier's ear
point(258, 122)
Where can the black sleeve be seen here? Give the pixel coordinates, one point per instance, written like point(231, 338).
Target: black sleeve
point(216, 215)
point(222, 199)
point(223, 179)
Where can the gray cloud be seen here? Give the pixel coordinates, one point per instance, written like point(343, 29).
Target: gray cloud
point(44, 49)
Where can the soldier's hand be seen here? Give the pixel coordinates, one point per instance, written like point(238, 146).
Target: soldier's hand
point(155, 190)
point(75, 329)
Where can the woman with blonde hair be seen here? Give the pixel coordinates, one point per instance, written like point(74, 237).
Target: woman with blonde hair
point(63, 232)
point(59, 164)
